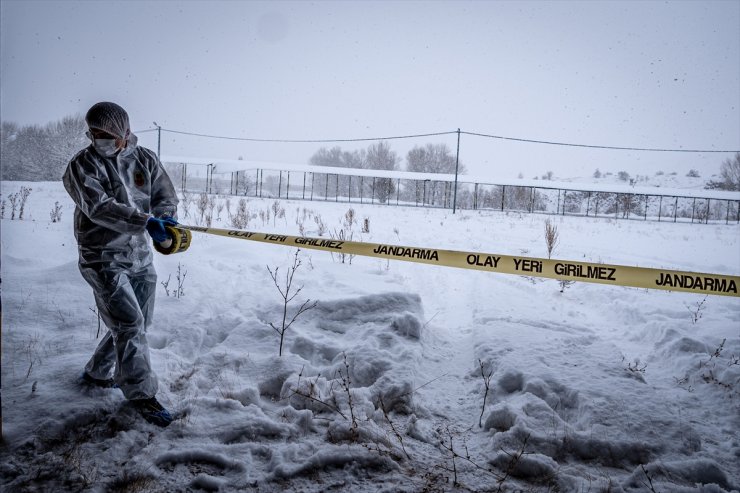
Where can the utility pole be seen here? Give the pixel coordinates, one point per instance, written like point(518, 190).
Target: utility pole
point(159, 139)
point(457, 165)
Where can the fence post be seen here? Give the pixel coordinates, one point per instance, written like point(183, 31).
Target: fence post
point(287, 188)
point(350, 189)
point(457, 165)
point(398, 190)
point(531, 200)
point(372, 200)
point(616, 207)
point(565, 195)
point(646, 205)
point(588, 203)
point(313, 177)
point(693, 209)
point(708, 201)
point(503, 195)
point(557, 210)
point(362, 185)
point(727, 220)
point(304, 185)
point(675, 210)
point(336, 195)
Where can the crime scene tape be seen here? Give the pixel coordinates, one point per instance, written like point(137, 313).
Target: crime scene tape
point(617, 275)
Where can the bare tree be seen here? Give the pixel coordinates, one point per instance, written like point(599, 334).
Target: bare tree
point(380, 156)
point(432, 158)
point(35, 152)
point(730, 173)
point(285, 293)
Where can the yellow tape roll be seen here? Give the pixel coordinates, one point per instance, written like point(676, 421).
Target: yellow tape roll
point(180, 237)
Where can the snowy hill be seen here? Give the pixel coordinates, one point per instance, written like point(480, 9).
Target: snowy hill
point(404, 378)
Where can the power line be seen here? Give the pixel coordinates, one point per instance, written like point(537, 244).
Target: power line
point(364, 139)
point(475, 134)
point(587, 145)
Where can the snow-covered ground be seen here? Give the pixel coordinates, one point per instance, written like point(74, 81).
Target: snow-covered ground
point(380, 387)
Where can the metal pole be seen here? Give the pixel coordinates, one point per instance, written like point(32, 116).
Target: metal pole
point(159, 139)
point(336, 196)
point(304, 185)
point(616, 208)
point(588, 203)
point(675, 210)
point(565, 195)
point(727, 220)
point(457, 166)
point(646, 206)
point(372, 200)
point(350, 188)
point(313, 176)
point(708, 201)
point(503, 194)
point(287, 188)
point(280, 184)
point(531, 201)
point(362, 181)
point(398, 190)
point(326, 192)
point(693, 209)
point(660, 207)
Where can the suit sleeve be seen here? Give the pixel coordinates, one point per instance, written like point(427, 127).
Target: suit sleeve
point(84, 183)
point(164, 197)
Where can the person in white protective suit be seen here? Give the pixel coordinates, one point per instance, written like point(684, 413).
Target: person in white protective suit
point(121, 192)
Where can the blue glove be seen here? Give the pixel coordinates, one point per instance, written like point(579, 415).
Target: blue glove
point(155, 227)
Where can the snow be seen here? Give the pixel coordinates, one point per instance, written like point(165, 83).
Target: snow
point(595, 388)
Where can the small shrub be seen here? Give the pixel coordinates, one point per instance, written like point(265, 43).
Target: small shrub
point(13, 197)
point(24, 193)
point(56, 213)
point(623, 176)
point(366, 225)
point(240, 220)
point(288, 296)
point(552, 237)
point(320, 224)
point(202, 205)
point(692, 173)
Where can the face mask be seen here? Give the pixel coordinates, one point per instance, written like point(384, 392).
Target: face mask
point(106, 147)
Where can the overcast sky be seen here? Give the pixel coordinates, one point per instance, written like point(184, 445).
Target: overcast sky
point(632, 74)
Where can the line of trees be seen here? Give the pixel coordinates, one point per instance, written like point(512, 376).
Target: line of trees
point(40, 152)
point(431, 158)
